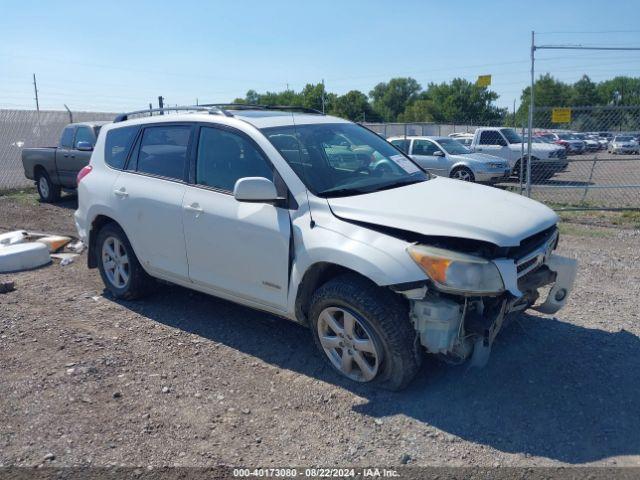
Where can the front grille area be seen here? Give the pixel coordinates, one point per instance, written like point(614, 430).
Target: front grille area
point(533, 250)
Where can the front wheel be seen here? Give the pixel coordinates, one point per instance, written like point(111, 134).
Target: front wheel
point(463, 173)
point(49, 193)
point(364, 332)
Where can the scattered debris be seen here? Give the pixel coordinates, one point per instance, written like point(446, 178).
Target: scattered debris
point(65, 258)
point(405, 458)
point(117, 395)
point(7, 286)
point(76, 247)
point(50, 457)
point(13, 238)
point(54, 242)
point(166, 389)
point(23, 256)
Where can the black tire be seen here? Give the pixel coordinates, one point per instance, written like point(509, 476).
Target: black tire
point(139, 282)
point(384, 314)
point(49, 193)
point(463, 170)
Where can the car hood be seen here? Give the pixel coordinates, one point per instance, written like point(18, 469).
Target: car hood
point(450, 208)
point(476, 157)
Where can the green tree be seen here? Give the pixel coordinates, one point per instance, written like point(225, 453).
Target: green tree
point(354, 105)
point(620, 91)
point(421, 110)
point(584, 93)
point(391, 99)
point(459, 101)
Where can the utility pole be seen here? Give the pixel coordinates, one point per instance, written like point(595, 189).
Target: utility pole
point(323, 95)
point(161, 104)
point(514, 113)
point(35, 89)
point(533, 50)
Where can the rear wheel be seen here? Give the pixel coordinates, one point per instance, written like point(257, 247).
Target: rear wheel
point(364, 332)
point(463, 173)
point(48, 192)
point(119, 267)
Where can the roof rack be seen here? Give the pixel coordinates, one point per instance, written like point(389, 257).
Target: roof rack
point(212, 109)
point(218, 109)
point(248, 106)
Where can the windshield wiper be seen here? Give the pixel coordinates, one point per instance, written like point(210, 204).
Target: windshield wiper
point(343, 192)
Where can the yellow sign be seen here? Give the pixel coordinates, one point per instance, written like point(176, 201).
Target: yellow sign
point(483, 80)
point(561, 115)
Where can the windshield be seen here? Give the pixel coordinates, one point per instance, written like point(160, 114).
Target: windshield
point(622, 138)
point(511, 135)
point(337, 160)
point(453, 147)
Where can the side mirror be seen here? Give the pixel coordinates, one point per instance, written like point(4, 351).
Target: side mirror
point(84, 146)
point(255, 189)
point(438, 153)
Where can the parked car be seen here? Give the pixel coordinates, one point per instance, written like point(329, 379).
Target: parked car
point(445, 156)
point(54, 168)
point(379, 259)
point(573, 146)
point(591, 145)
point(624, 144)
point(464, 138)
point(546, 160)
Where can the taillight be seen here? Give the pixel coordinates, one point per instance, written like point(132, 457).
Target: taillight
point(83, 173)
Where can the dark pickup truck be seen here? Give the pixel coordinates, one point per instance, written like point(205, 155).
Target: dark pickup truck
point(55, 168)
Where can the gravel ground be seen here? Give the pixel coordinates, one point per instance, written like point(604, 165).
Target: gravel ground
point(182, 378)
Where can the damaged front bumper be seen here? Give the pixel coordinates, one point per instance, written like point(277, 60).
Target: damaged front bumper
point(457, 327)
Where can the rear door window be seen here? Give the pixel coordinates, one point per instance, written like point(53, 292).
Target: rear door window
point(401, 144)
point(66, 140)
point(424, 147)
point(117, 146)
point(163, 151)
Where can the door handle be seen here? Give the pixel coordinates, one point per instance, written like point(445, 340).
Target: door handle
point(194, 207)
point(122, 193)
point(66, 155)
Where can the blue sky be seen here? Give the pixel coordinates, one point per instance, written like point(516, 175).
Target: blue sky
point(114, 55)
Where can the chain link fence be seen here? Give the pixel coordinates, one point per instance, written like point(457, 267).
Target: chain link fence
point(603, 157)
point(601, 169)
point(599, 164)
point(26, 128)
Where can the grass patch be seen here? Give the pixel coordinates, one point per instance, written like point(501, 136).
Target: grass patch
point(27, 196)
point(578, 230)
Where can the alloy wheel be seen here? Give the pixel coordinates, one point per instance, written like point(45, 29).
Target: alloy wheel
point(115, 262)
point(349, 344)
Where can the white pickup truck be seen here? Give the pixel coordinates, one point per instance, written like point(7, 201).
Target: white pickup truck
point(547, 159)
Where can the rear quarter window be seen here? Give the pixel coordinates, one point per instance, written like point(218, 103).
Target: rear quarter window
point(117, 146)
point(66, 139)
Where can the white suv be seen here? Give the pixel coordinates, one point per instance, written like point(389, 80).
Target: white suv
point(321, 221)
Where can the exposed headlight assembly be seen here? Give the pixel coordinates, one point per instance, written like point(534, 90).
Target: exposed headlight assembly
point(458, 273)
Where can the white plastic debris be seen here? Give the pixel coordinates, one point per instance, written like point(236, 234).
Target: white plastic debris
point(54, 242)
point(76, 247)
point(65, 258)
point(23, 256)
point(13, 238)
